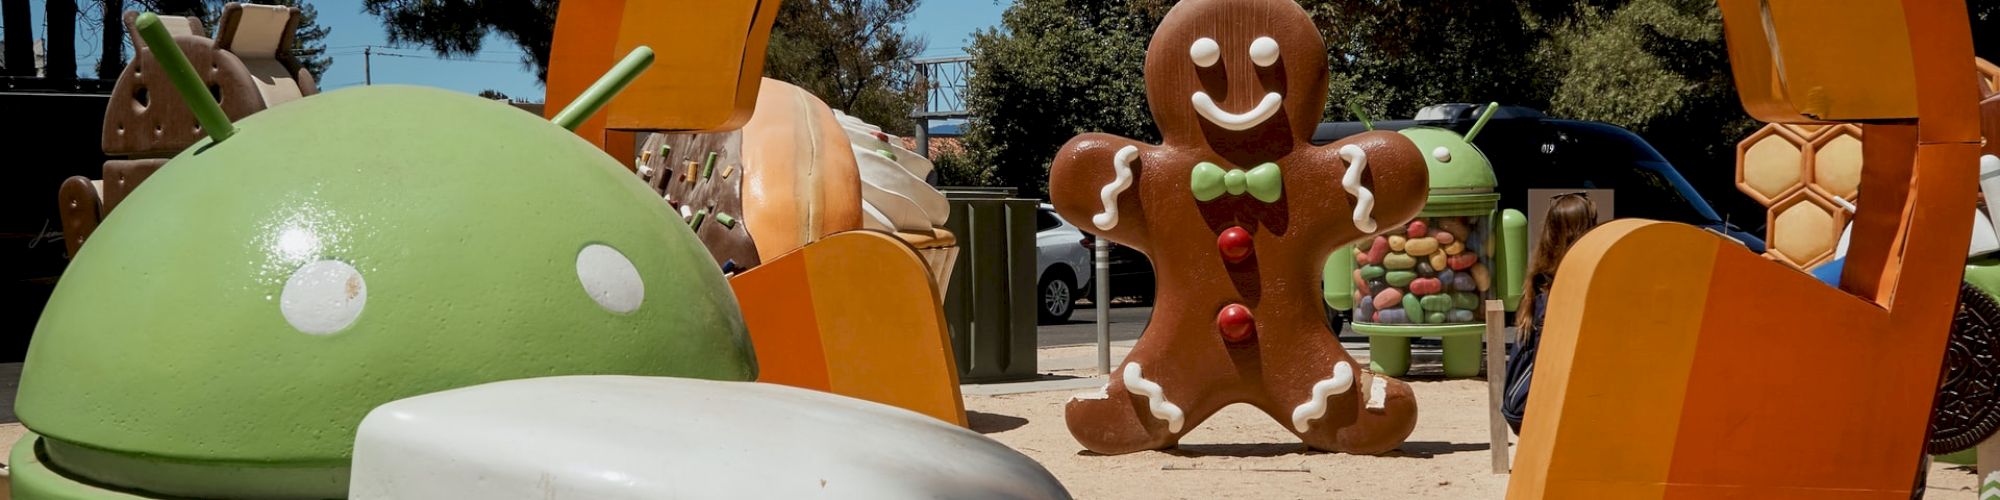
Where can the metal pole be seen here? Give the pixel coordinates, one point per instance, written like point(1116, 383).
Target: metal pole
point(1103, 302)
point(923, 134)
point(367, 70)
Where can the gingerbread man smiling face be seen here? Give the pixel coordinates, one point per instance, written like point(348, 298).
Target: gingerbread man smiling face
point(1238, 212)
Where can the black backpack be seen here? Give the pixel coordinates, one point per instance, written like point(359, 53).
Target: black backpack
point(1521, 366)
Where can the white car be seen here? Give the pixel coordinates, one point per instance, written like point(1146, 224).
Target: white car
point(1062, 265)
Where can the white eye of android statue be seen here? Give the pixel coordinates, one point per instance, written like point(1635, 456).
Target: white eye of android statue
point(323, 297)
point(1442, 154)
point(1264, 51)
point(610, 279)
point(1205, 52)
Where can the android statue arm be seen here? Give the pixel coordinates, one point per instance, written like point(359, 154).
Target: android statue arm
point(1338, 278)
point(1513, 260)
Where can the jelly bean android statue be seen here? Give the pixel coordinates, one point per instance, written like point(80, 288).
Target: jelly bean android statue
point(1441, 266)
point(226, 331)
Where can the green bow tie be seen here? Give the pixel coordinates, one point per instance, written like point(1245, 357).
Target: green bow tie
point(1263, 182)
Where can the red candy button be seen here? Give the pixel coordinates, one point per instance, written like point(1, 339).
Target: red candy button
point(1234, 243)
point(1236, 324)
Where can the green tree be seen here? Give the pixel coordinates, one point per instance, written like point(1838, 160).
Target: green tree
point(458, 28)
point(1393, 57)
point(853, 54)
point(1055, 69)
point(1659, 68)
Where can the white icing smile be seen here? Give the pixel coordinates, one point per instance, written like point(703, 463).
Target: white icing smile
point(1205, 105)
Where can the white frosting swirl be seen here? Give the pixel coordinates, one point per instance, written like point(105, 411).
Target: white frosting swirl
point(894, 195)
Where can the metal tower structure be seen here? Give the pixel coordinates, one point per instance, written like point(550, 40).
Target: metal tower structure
point(944, 82)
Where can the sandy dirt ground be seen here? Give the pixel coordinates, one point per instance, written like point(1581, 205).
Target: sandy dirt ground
point(1241, 453)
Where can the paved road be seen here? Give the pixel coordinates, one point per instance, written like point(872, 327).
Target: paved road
point(1126, 323)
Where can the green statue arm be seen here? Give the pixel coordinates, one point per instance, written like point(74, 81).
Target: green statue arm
point(1337, 279)
point(1514, 257)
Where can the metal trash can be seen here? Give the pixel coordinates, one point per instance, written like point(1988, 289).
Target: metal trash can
point(990, 304)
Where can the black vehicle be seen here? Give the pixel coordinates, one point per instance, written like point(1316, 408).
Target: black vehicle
point(1529, 150)
point(1131, 274)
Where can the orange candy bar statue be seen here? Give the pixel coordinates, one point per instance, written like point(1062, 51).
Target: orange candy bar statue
point(1676, 364)
point(1238, 211)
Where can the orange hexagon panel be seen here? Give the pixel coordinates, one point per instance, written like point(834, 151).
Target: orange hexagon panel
point(1771, 164)
point(1804, 229)
point(1835, 162)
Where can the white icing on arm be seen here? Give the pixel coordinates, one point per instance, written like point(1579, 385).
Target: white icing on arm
point(1313, 409)
point(1122, 163)
point(1364, 200)
point(1205, 106)
point(1156, 398)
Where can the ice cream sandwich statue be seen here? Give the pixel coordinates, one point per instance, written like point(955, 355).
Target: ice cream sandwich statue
point(401, 292)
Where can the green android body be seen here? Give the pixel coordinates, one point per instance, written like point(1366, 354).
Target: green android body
point(169, 361)
point(1494, 248)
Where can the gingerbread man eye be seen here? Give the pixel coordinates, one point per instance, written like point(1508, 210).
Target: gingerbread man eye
point(1264, 51)
point(1205, 52)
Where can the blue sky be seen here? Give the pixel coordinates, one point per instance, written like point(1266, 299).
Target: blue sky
point(948, 24)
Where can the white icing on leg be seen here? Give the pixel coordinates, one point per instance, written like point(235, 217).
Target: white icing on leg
point(1122, 164)
point(1364, 204)
point(1313, 409)
point(1378, 392)
point(1156, 397)
point(1100, 393)
point(1205, 106)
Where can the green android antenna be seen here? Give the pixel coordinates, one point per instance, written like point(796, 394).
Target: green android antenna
point(1355, 108)
point(181, 72)
point(1491, 108)
point(607, 86)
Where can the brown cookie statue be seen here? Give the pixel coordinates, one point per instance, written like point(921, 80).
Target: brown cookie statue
point(1238, 212)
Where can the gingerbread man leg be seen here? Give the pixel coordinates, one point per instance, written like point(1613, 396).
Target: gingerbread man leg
point(1351, 409)
point(1149, 404)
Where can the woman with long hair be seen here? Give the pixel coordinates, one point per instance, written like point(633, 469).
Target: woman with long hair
point(1570, 216)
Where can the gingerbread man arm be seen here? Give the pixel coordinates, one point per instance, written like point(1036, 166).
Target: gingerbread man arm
point(1092, 169)
point(1385, 186)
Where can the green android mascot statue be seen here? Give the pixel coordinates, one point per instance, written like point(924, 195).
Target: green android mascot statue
point(225, 332)
point(1431, 277)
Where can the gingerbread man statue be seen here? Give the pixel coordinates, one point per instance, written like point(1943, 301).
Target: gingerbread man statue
point(1238, 212)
